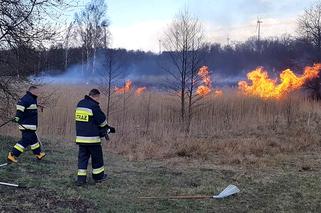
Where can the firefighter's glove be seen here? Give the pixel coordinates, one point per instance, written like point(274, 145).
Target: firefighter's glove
point(111, 129)
point(16, 119)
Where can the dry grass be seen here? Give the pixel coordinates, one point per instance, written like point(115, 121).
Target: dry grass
point(231, 129)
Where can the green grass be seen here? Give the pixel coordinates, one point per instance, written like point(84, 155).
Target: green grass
point(50, 185)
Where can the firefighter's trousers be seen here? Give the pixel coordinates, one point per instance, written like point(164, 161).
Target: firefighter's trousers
point(96, 154)
point(29, 138)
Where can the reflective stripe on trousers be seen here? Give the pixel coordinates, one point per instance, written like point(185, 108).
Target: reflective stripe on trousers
point(19, 147)
point(98, 171)
point(82, 172)
point(35, 146)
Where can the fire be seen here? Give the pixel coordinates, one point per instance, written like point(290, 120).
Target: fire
point(204, 89)
point(218, 93)
point(140, 90)
point(264, 87)
point(127, 87)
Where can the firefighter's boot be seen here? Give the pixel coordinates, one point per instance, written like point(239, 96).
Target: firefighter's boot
point(41, 155)
point(11, 158)
point(104, 178)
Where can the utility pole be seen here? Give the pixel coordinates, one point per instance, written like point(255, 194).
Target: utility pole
point(259, 22)
point(160, 46)
point(228, 40)
point(258, 26)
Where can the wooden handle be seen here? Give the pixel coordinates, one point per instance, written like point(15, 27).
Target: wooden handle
point(193, 197)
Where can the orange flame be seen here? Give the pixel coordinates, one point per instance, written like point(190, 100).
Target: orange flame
point(127, 87)
point(264, 87)
point(204, 89)
point(140, 90)
point(218, 93)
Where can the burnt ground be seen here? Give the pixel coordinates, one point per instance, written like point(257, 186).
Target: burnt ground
point(284, 183)
point(40, 200)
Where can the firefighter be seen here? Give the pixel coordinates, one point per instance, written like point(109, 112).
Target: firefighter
point(91, 126)
point(27, 118)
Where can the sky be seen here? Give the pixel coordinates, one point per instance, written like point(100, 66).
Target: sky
point(140, 24)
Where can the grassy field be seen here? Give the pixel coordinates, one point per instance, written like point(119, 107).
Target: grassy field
point(289, 184)
point(268, 148)
point(239, 129)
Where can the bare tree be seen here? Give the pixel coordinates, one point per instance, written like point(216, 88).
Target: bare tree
point(183, 43)
point(92, 25)
point(111, 74)
point(309, 27)
point(66, 45)
point(22, 29)
point(112, 67)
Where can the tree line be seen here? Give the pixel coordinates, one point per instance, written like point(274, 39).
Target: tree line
point(228, 60)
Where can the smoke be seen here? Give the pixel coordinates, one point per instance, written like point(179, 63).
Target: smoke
point(73, 75)
point(83, 74)
point(78, 74)
point(142, 73)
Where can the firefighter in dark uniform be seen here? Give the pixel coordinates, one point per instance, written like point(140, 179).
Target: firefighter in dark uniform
point(91, 126)
point(27, 118)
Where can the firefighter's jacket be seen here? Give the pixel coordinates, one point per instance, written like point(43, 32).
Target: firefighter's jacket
point(27, 112)
point(89, 122)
